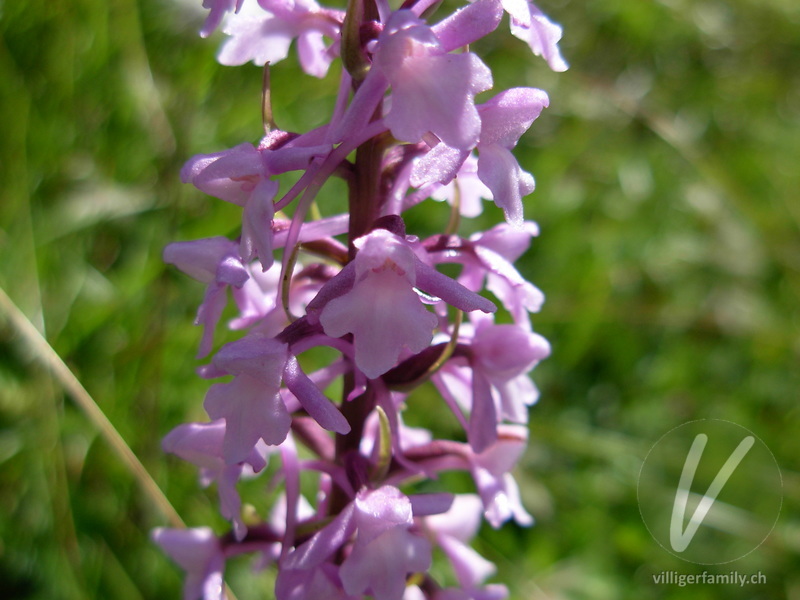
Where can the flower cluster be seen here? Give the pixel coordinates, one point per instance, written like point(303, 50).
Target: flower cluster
point(406, 127)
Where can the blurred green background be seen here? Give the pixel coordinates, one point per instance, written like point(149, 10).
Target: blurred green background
point(668, 178)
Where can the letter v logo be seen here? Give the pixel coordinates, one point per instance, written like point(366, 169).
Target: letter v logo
point(680, 538)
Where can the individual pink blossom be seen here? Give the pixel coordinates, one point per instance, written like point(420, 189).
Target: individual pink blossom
point(382, 311)
point(491, 471)
point(374, 299)
point(199, 553)
point(504, 355)
point(431, 89)
point(202, 445)
point(504, 119)
point(453, 531)
point(215, 262)
point(532, 26)
point(262, 33)
point(250, 404)
point(217, 11)
point(385, 551)
point(467, 188)
point(488, 262)
point(238, 176)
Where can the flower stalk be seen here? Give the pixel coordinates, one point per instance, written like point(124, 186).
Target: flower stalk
point(361, 284)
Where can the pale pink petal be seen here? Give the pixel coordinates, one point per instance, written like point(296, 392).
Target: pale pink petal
point(470, 189)
point(439, 165)
point(208, 260)
point(198, 552)
point(319, 583)
point(501, 173)
point(462, 521)
point(230, 175)
point(257, 224)
point(385, 551)
point(255, 35)
point(251, 413)
point(385, 316)
point(542, 35)
point(509, 114)
point(470, 567)
point(218, 9)
point(314, 56)
point(468, 24)
point(508, 242)
point(435, 93)
point(256, 355)
point(516, 395)
point(381, 567)
point(433, 282)
point(208, 315)
point(504, 352)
